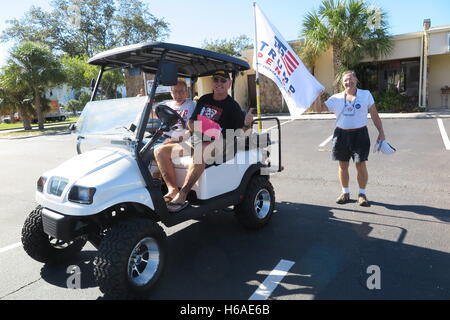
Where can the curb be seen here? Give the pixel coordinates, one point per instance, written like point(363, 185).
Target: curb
point(331, 116)
point(36, 135)
point(35, 127)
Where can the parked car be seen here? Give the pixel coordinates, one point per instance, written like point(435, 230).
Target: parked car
point(6, 119)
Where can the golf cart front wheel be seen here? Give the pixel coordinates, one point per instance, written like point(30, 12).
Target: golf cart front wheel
point(131, 258)
point(44, 248)
point(255, 211)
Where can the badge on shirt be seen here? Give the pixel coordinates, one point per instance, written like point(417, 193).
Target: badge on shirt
point(350, 107)
point(349, 111)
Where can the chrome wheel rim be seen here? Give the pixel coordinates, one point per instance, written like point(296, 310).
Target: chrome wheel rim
point(143, 262)
point(262, 203)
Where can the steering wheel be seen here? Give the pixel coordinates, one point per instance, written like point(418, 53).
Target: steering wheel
point(168, 117)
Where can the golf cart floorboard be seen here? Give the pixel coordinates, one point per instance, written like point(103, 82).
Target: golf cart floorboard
point(198, 210)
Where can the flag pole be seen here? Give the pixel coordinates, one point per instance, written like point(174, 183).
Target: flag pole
point(258, 92)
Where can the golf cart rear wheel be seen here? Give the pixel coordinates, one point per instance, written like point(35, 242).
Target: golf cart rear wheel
point(131, 258)
point(255, 211)
point(44, 248)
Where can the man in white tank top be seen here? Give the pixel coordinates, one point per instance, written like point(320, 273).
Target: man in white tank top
point(351, 137)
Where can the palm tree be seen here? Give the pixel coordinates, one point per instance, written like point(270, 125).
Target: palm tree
point(12, 98)
point(5, 105)
point(33, 67)
point(352, 29)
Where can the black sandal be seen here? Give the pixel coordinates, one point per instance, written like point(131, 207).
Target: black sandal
point(174, 207)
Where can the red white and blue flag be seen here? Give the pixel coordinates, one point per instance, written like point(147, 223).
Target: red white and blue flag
point(275, 59)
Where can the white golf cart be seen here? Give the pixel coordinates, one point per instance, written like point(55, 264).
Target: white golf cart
point(108, 195)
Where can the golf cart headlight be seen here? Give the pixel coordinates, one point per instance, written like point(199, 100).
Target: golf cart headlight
point(56, 186)
point(82, 195)
point(41, 183)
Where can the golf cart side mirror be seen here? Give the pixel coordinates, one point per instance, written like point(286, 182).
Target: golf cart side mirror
point(169, 74)
point(72, 127)
point(132, 127)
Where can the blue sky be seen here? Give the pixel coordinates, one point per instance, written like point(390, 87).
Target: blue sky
point(191, 22)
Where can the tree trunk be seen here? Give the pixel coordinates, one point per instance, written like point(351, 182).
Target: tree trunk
point(39, 113)
point(337, 66)
point(11, 116)
point(25, 120)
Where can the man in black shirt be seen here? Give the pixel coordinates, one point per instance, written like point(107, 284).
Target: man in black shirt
point(227, 113)
point(218, 107)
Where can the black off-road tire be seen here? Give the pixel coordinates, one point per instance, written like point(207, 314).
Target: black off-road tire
point(111, 263)
point(37, 244)
point(247, 212)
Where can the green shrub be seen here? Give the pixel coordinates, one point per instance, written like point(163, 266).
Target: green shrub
point(393, 101)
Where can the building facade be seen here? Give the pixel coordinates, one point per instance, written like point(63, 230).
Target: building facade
point(418, 68)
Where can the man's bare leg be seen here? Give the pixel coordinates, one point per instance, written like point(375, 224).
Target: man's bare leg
point(163, 156)
point(363, 175)
point(194, 172)
point(344, 176)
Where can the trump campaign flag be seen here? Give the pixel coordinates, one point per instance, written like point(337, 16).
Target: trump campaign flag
point(275, 59)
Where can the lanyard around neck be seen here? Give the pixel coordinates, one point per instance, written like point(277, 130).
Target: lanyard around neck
point(351, 103)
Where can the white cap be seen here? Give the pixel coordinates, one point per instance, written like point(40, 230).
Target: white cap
point(385, 147)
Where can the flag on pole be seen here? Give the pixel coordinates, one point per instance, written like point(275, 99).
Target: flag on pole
point(274, 58)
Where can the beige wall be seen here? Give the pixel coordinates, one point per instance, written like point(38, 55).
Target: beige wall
point(439, 43)
point(324, 72)
point(403, 48)
point(439, 77)
point(204, 86)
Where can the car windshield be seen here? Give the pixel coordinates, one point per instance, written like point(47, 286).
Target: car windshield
point(111, 117)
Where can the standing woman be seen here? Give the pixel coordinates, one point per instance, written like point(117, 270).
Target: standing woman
point(351, 137)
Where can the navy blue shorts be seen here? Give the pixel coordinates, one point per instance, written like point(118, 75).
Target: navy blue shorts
point(351, 145)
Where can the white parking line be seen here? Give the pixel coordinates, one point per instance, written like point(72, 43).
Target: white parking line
point(266, 288)
point(444, 134)
point(323, 144)
point(267, 130)
point(10, 247)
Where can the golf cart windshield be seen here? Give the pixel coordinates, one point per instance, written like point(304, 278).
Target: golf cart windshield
point(111, 117)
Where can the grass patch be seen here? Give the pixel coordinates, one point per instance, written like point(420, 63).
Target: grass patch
point(19, 125)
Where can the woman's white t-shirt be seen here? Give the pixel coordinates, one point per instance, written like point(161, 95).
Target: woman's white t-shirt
point(351, 115)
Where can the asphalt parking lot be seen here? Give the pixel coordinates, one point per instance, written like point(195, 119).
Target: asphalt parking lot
point(331, 250)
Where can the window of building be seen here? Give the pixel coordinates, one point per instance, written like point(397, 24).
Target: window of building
point(400, 75)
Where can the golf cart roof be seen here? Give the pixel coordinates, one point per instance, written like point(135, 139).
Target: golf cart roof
point(192, 62)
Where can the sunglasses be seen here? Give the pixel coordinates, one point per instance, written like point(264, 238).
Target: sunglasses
point(221, 80)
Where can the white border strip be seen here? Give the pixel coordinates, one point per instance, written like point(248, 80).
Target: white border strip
point(444, 134)
point(272, 281)
point(10, 247)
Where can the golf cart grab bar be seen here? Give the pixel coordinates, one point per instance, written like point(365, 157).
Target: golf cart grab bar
point(280, 167)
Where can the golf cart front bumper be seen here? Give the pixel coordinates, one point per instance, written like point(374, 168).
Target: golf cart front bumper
point(62, 227)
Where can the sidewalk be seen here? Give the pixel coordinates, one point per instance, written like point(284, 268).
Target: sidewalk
point(35, 127)
point(330, 116)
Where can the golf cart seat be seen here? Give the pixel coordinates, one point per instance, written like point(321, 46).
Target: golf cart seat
point(228, 173)
point(245, 143)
